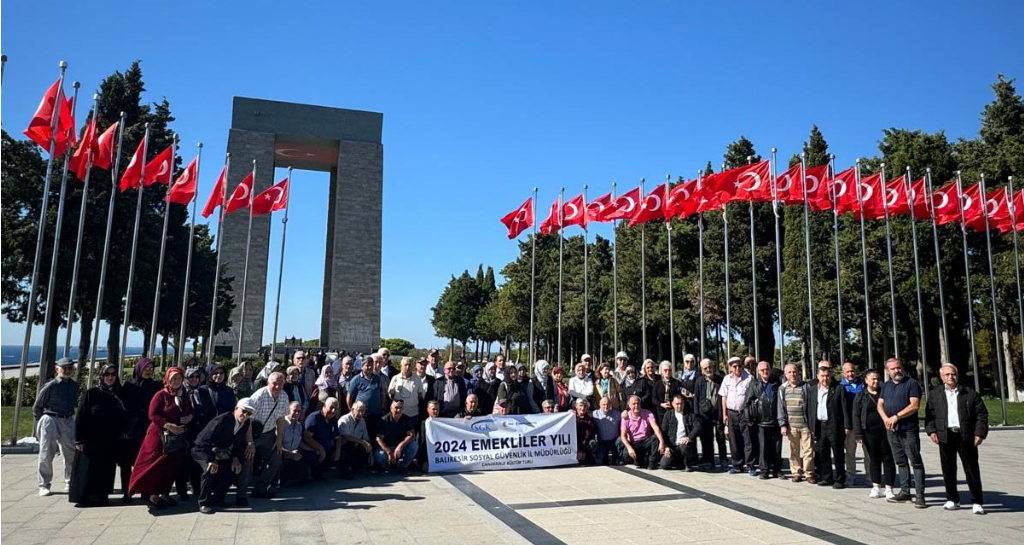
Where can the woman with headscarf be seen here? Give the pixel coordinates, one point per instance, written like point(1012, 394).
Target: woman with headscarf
point(100, 420)
point(541, 386)
point(136, 395)
point(203, 411)
point(512, 391)
point(629, 385)
point(294, 389)
point(165, 447)
point(264, 374)
point(581, 386)
point(475, 374)
point(240, 380)
point(487, 388)
point(222, 394)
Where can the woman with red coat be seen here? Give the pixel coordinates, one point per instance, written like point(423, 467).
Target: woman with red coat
point(155, 468)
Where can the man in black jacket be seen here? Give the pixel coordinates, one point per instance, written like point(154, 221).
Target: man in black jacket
point(826, 418)
point(681, 430)
point(222, 442)
point(762, 408)
point(707, 403)
point(956, 419)
point(450, 391)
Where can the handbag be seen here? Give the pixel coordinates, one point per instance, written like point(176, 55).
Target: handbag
point(174, 443)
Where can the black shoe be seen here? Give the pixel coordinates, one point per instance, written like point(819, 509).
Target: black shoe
point(839, 485)
point(155, 505)
point(764, 476)
point(919, 502)
point(825, 483)
point(206, 509)
point(126, 499)
point(170, 502)
point(242, 502)
point(690, 469)
point(900, 497)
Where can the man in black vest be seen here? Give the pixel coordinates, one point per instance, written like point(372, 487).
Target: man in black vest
point(956, 419)
point(826, 418)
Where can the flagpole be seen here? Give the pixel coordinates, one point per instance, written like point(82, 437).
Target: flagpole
point(106, 250)
point(992, 294)
point(163, 248)
point(51, 311)
point(967, 278)
point(615, 280)
point(135, 248)
point(586, 274)
point(930, 203)
point(671, 303)
point(280, 268)
point(778, 257)
point(728, 318)
point(888, 248)
point(533, 273)
point(807, 253)
point(78, 241)
point(245, 270)
point(643, 278)
point(864, 263)
point(179, 353)
point(917, 277)
point(1016, 262)
point(561, 244)
point(839, 285)
point(216, 270)
point(700, 266)
point(40, 235)
point(753, 273)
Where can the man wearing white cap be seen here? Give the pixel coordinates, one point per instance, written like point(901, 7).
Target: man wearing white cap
point(621, 362)
point(54, 410)
point(219, 450)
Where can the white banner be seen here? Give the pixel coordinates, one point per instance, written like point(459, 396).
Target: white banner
point(501, 442)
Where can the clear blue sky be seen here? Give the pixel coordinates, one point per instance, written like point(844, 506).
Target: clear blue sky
point(484, 100)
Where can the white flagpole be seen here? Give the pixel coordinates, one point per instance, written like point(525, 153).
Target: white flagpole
point(179, 353)
point(671, 304)
point(807, 254)
point(51, 312)
point(967, 279)
point(163, 247)
point(888, 248)
point(40, 235)
point(1016, 262)
point(561, 244)
point(643, 278)
point(533, 275)
point(728, 318)
point(615, 280)
point(700, 266)
point(586, 274)
point(753, 274)
point(216, 270)
point(917, 276)
point(778, 257)
point(992, 293)
point(106, 251)
point(280, 268)
point(839, 284)
point(135, 248)
point(245, 270)
point(78, 244)
point(864, 263)
point(930, 203)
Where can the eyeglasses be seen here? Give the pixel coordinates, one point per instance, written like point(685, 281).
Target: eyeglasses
point(246, 413)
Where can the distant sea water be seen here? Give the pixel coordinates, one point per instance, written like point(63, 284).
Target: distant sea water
point(10, 355)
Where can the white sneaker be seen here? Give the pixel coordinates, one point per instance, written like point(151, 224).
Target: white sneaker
point(875, 493)
point(43, 491)
point(978, 509)
point(951, 506)
point(889, 494)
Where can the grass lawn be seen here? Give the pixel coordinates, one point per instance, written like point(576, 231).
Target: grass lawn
point(7, 422)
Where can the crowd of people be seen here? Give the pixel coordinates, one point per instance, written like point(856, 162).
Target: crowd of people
point(206, 429)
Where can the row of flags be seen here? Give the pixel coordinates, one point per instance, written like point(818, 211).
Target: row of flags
point(840, 193)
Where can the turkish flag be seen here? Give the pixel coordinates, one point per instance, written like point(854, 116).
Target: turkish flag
point(132, 177)
point(217, 196)
point(1018, 215)
point(971, 203)
point(746, 183)
point(575, 212)
point(707, 196)
point(85, 153)
point(274, 198)
point(105, 148)
point(871, 195)
point(844, 192)
point(41, 126)
point(519, 219)
point(622, 207)
point(817, 186)
point(650, 207)
point(184, 189)
point(551, 224)
point(160, 168)
point(919, 197)
point(946, 203)
point(896, 196)
point(681, 200)
point(241, 196)
point(996, 208)
point(596, 208)
point(787, 186)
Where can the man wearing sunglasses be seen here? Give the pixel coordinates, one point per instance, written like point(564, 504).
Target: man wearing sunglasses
point(219, 450)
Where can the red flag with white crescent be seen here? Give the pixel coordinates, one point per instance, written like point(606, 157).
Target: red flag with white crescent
point(871, 194)
point(896, 198)
point(184, 189)
point(681, 201)
point(622, 207)
point(996, 208)
point(575, 212)
point(596, 208)
point(519, 219)
point(241, 196)
point(551, 225)
point(650, 207)
point(105, 147)
point(160, 169)
point(946, 203)
point(85, 152)
point(787, 186)
point(745, 183)
point(40, 128)
point(217, 196)
point(132, 177)
point(274, 198)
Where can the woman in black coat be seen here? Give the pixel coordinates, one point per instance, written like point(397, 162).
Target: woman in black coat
point(222, 395)
point(135, 395)
point(100, 420)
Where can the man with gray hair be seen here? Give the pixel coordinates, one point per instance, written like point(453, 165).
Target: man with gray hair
point(321, 434)
point(707, 406)
point(898, 402)
point(356, 450)
point(54, 410)
point(956, 419)
point(794, 426)
point(266, 430)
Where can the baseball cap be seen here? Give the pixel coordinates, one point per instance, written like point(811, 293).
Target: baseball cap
point(621, 355)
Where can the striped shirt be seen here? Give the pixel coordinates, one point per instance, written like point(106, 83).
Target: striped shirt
point(794, 400)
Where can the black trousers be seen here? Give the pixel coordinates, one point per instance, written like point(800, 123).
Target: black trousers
point(957, 444)
point(879, 456)
point(828, 453)
point(770, 441)
point(353, 458)
point(214, 486)
point(190, 473)
point(646, 450)
point(680, 456)
point(742, 441)
point(712, 432)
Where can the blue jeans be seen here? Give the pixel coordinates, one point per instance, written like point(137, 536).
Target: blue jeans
point(906, 450)
point(408, 455)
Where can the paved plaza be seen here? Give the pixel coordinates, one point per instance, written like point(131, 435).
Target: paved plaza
point(562, 505)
